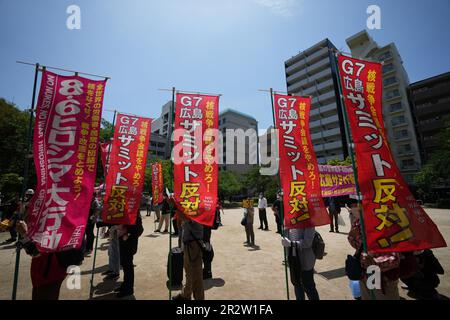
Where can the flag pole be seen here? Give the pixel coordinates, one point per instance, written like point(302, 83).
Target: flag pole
point(91, 288)
point(283, 231)
point(25, 179)
point(171, 128)
point(349, 139)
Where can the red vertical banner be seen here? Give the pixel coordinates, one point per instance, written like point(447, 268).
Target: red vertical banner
point(195, 156)
point(125, 178)
point(299, 173)
point(157, 183)
point(65, 146)
point(394, 221)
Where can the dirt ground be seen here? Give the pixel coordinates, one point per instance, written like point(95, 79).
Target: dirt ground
point(239, 272)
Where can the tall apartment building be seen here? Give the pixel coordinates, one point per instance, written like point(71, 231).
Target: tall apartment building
point(160, 125)
point(430, 105)
point(397, 115)
point(232, 119)
point(313, 72)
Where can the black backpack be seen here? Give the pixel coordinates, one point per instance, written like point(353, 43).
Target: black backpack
point(318, 246)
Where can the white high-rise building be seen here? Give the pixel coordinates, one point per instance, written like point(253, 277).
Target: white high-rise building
point(397, 116)
point(313, 72)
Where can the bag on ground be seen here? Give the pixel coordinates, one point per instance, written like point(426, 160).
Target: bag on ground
point(177, 267)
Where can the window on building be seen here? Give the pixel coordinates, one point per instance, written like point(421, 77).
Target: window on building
point(401, 134)
point(398, 120)
point(395, 107)
point(387, 67)
point(392, 94)
point(389, 81)
point(386, 55)
point(407, 163)
point(406, 148)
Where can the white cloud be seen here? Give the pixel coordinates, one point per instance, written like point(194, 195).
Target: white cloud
point(284, 8)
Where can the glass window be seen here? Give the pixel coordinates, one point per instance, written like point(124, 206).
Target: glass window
point(395, 107)
point(389, 81)
point(398, 120)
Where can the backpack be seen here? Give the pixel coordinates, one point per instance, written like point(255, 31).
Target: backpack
point(318, 246)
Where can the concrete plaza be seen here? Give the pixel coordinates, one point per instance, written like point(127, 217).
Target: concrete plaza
point(239, 272)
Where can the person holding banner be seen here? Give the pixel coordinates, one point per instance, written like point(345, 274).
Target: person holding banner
point(165, 214)
point(192, 259)
point(128, 245)
point(48, 270)
point(301, 259)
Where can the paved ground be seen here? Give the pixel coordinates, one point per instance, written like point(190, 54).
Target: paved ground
point(239, 272)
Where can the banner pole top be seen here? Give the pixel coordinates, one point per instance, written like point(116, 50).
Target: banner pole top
point(285, 93)
point(61, 69)
point(192, 92)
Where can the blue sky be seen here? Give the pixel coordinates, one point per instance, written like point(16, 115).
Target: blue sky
point(233, 47)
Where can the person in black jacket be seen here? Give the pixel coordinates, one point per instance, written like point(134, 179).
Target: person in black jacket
point(128, 245)
point(424, 282)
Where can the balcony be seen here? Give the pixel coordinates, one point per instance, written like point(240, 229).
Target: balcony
point(325, 134)
point(435, 125)
point(332, 145)
point(325, 121)
point(308, 60)
point(297, 86)
point(323, 97)
point(429, 93)
point(319, 87)
point(441, 107)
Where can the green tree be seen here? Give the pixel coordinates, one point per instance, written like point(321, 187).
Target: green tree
point(13, 133)
point(256, 183)
point(229, 184)
point(436, 172)
point(337, 162)
point(10, 185)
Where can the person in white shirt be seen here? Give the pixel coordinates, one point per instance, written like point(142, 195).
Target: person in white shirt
point(262, 205)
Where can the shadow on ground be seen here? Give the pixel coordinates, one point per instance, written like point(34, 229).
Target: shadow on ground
point(96, 270)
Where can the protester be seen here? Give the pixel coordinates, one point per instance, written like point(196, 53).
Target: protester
point(149, 205)
point(262, 205)
point(128, 244)
point(250, 234)
point(277, 207)
point(219, 211)
point(301, 260)
point(208, 253)
point(157, 209)
point(173, 215)
point(423, 283)
point(48, 270)
point(389, 264)
point(192, 259)
point(165, 214)
point(11, 210)
point(113, 271)
point(334, 209)
point(92, 218)
point(353, 210)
